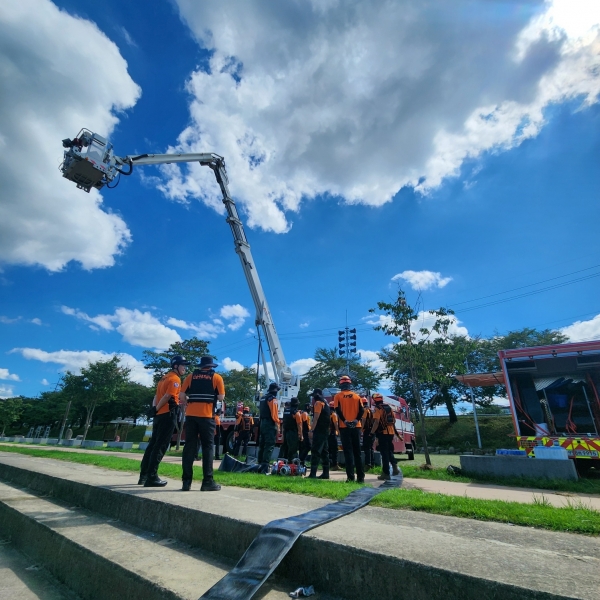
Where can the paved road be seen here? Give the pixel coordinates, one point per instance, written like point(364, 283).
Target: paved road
point(451, 488)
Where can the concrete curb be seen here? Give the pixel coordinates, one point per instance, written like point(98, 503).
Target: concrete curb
point(82, 570)
point(323, 563)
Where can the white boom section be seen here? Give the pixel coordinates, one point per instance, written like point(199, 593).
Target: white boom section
point(290, 384)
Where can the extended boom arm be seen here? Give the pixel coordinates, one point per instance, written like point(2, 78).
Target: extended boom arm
point(90, 162)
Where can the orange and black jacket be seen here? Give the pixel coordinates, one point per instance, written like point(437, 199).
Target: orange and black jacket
point(348, 407)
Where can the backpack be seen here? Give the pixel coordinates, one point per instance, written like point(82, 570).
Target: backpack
point(390, 419)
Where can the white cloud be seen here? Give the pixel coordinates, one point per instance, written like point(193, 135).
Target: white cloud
point(142, 329)
point(232, 365)
point(102, 321)
point(45, 382)
point(6, 391)
point(235, 313)
point(137, 328)
point(358, 99)
point(582, 331)
point(5, 374)
point(9, 321)
point(302, 365)
point(303, 325)
point(204, 329)
point(423, 280)
point(58, 73)
point(73, 360)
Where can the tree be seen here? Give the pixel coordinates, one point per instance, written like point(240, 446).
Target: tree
point(99, 382)
point(10, 411)
point(326, 373)
point(423, 362)
point(240, 387)
point(160, 362)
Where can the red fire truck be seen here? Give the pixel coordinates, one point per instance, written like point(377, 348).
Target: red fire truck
point(554, 394)
point(554, 397)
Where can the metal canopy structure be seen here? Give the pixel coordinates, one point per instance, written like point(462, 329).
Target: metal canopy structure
point(482, 379)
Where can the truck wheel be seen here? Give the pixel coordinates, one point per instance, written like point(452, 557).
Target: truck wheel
point(229, 442)
point(411, 453)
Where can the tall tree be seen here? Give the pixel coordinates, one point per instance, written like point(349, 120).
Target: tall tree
point(99, 382)
point(10, 411)
point(423, 361)
point(240, 387)
point(160, 362)
point(326, 373)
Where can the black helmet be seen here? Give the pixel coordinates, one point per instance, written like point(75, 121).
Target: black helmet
point(178, 360)
point(274, 387)
point(294, 401)
point(317, 393)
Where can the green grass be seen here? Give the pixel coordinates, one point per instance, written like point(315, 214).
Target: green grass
point(573, 518)
point(412, 469)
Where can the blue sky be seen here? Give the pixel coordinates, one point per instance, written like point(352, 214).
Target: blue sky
point(451, 151)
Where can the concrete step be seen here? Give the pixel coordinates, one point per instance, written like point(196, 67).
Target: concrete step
point(374, 553)
point(101, 558)
point(22, 579)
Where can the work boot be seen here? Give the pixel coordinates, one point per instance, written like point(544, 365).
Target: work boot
point(324, 474)
point(210, 485)
point(313, 473)
point(383, 477)
point(395, 470)
point(187, 485)
point(360, 479)
point(142, 480)
point(350, 479)
point(155, 482)
point(334, 468)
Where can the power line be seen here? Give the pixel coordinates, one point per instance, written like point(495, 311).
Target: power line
point(528, 285)
point(532, 293)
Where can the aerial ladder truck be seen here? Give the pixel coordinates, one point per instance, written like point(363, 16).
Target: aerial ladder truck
point(90, 162)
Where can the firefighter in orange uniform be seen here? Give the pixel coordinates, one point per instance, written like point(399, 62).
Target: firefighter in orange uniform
point(305, 443)
point(243, 430)
point(349, 409)
point(320, 429)
point(384, 425)
point(332, 439)
point(167, 399)
point(218, 434)
point(269, 426)
point(368, 437)
point(204, 389)
point(292, 430)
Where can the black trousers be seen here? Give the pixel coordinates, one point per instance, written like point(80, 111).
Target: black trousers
point(266, 441)
point(333, 449)
point(304, 445)
point(162, 430)
point(198, 431)
point(319, 450)
point(386, 448)
point(367, 445)
point(351, 445)
point(291, 442)
point(241, 441)
point(218, 441)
